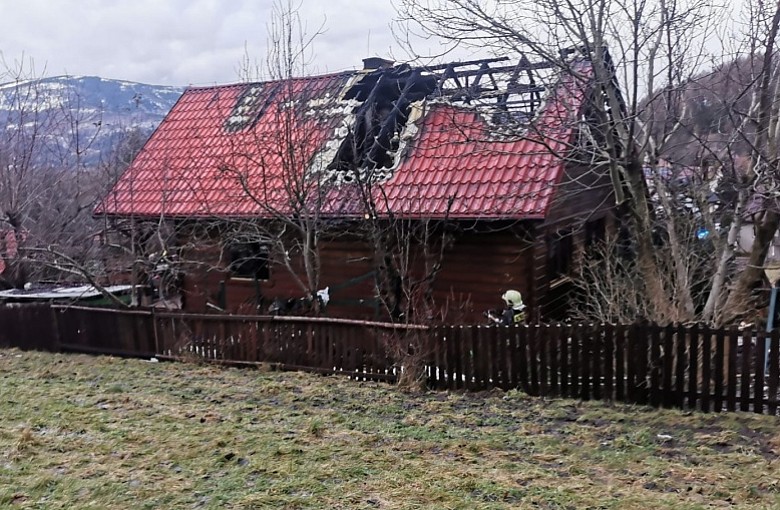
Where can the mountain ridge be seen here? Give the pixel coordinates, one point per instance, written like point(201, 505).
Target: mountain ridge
point(101, 108)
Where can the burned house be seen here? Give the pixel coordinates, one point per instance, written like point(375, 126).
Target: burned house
point(486, 151)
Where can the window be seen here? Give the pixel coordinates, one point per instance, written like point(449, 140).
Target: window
point(249, 260)
point(559, 253)
point(595, 232)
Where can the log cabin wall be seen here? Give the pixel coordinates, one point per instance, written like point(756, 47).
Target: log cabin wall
point(345, 268)
point(476, 269)
point(483, 261)
point(580, 213)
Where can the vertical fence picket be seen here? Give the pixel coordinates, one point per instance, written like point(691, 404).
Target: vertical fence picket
point(774, 371)
point(491, 341)
point(680, 365)
point(668, 366)
point(586, 359)
point(731, 381)
point(330, 354)
point(354, 350)
point(348, 350)
point(641, 343)
point(521, 355)
point(455, 380)
point(744, 376)
point(706, 368)
point(505, 356)
point(449, 358)
point(620, 381)
point(575, 366)
point(445, 344)
point(631, 363)
point(469, 357)
point(554, 353)
point(655, 365)
point(371, 355)
point(478, 358)
point(609, 361)
point(719, 369)
point(434, 339)
point(565, 366)
point(758, 380)
point(512, 356)
point(488, 334)
point(223, 339)
point(597, 361)
point(533, 358)
point(339, 348)
point(361, 336)
point(542, 352)
point(693, 363)
point(459, 364)
point(311, 338)
point(506, 344)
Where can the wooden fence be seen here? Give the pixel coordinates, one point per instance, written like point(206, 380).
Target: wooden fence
point(690, 367)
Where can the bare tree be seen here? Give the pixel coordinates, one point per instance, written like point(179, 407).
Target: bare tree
point(47, 188)
point(289, 198)
point(642, 109)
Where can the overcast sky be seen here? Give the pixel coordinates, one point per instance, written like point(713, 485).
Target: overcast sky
point(181, 42)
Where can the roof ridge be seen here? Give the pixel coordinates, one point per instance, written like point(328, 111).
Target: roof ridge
point(268, 82)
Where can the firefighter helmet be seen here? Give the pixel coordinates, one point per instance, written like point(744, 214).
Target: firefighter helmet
point(514, 299)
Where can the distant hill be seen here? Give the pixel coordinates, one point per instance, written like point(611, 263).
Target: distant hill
point(102, 109)
point(709, 109)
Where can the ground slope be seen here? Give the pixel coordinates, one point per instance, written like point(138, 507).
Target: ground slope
point(84, 432)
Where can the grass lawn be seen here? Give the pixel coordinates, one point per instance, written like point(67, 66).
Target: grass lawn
point(91, 432)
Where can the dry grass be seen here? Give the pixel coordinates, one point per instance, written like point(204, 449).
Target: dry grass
point(82, 432)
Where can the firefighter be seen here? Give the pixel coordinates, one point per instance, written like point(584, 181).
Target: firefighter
point(514, 313)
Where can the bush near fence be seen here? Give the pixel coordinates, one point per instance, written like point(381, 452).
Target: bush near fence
point(691, 367)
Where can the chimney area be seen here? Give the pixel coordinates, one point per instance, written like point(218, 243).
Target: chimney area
point(374, 63)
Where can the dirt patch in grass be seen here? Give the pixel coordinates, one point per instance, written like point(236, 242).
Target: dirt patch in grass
point(88, 432)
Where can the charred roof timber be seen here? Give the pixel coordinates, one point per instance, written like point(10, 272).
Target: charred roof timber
point(508, 95)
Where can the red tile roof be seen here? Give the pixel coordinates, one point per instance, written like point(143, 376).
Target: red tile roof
point(201, 163)
point(196, 164)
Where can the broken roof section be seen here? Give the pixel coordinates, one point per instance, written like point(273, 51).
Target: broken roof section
point(470, 140)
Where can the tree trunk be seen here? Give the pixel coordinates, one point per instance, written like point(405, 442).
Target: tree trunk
point(739, 302)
